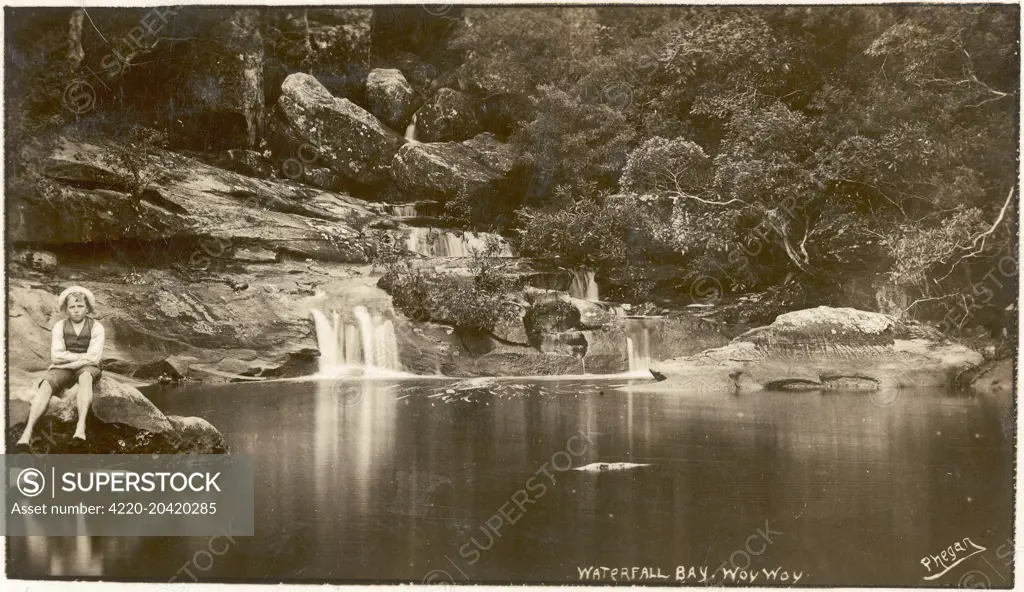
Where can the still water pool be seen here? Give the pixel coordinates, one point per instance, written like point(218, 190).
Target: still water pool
point(404, 481)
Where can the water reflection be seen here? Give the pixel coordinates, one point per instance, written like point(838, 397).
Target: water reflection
point(386, 481)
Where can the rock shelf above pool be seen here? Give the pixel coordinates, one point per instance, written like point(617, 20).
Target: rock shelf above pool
point(838, 349)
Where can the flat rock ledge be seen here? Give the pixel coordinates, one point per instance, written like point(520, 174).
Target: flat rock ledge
point(834, 349)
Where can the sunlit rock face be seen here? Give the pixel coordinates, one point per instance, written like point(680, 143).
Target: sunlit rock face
point(335, 131)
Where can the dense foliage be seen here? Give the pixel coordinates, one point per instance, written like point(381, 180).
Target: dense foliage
point(425, 294)
point(825, 142)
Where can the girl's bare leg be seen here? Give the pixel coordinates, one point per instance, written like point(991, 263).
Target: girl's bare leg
point(84, 400)
point(39, 403)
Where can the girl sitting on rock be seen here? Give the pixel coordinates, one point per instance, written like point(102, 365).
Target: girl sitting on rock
point(76, 346)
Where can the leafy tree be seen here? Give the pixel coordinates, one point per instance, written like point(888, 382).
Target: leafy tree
point(574, 144)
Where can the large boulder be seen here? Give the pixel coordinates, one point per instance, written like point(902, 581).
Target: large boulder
point(449, 116)
point(390, 97)
point(120, 421)
point(481, 169)
point(112, 402)
point(195, 435)
point(191, 435)
point(419, 73)
point(335, 132)
point(823, 348)
point(44, 261)
point(511, 329)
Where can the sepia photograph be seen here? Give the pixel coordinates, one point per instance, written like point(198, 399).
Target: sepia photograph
point(438, 294)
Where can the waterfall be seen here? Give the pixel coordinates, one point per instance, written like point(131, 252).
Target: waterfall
point(369, 346)
point(401, 210)
point(436, 243)
point(638, 345)
point(583, 285)
point(410, 132)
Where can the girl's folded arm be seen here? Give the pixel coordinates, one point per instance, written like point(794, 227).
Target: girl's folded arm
point(59, 353)
point(95, 352)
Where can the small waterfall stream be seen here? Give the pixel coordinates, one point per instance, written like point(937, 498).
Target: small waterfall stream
point(638, 344)
point(410, 131)
point(583, 285)
point(430, 242)
point(368, 347)
point(401, 210)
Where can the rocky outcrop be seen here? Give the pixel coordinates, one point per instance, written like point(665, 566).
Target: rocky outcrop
point(195, 435)
point(448, 116)
point(549, 319)
point(231, 86)
point(247, 162)
point(821, 349)
point(113, 402)
point(192, 435)
point(121, 420)
point(208, 212)
point(390, 97)
point(480, 169)
point(992, 377)
point(335, 132)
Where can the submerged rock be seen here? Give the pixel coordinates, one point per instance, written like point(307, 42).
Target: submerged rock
point(195, 435)
point(613, 466)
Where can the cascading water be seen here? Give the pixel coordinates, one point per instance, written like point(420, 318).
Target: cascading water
point(638, 345)
point(368, 347)
point(437, 243)
point(410, 131)
point(584, 285)
point(401, 210)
